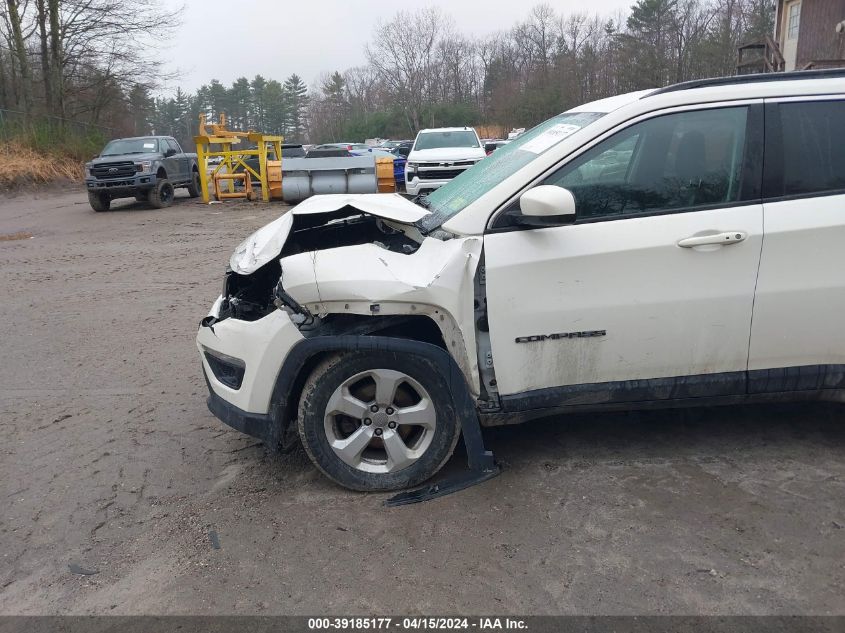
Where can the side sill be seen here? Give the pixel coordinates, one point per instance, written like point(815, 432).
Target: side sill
point(626, 391)
point(519, 417)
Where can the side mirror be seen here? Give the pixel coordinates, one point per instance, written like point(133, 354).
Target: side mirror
point(546, 205)
point(489, 148)
point(170, 152)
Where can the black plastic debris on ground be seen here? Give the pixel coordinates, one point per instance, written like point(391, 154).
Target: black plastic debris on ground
point(215, 540)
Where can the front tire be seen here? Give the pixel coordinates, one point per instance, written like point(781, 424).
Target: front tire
point(99, 201)
point(377, 421)
point(162, 194)
point(195, 186)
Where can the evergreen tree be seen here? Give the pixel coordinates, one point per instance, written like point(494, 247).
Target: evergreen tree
point(297, 99)
point(651, 29)
point(276, 108)
point(240, 99)
point(141, 109)
point(259, 106)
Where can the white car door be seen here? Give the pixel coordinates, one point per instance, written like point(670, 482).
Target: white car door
point(654, 280)
point(796, 336)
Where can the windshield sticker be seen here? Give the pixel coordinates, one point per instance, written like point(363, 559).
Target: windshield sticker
point(149, 145)
point(552, 136)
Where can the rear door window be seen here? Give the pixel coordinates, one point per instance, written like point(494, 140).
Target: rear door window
point(805, 143)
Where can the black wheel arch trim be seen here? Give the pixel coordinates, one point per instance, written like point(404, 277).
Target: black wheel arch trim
point(306, 349)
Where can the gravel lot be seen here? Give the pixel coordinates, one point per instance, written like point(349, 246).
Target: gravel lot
point(111, 461)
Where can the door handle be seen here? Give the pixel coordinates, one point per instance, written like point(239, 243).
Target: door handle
point(728, 237)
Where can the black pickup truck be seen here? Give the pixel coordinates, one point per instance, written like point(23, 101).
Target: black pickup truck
point(148, 168)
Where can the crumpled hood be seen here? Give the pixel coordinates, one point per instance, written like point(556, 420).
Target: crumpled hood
point(267, 242)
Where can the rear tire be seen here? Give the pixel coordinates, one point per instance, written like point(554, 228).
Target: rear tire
point(407, 439)
point(195, 187)
point(161, 195)
point(99, 201)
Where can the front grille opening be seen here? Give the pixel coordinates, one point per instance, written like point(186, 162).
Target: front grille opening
point(113, 170)
point(226, 369)
point(440, 174)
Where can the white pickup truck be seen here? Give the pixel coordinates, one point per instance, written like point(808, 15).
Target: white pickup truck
point(439, 155)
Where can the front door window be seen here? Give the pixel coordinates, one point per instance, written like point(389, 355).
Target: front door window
point(677, 162)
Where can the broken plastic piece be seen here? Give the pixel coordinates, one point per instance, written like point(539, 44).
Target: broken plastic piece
point(444, 487)
point(480, 467)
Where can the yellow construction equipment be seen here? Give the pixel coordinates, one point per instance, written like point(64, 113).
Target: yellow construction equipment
point(215, 139)
point(303, 177)
point(242, 176)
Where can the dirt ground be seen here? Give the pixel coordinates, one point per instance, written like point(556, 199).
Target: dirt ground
point(111, 461)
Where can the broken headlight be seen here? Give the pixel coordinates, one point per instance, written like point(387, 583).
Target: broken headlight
point(299, 314)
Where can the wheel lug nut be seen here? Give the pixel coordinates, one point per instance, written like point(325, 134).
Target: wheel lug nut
point(378, 431)
point(367, 421)
point(389, 411)
point(374, 408)
point(391, 425)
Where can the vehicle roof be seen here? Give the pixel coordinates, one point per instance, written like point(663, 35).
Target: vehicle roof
point(611, 103)
point(736, 88)
point(743, 91)
point(465, 128)
point(137, 138)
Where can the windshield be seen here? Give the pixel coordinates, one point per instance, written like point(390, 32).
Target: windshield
point(434, 140)
point(131, 146)
point(466, 188)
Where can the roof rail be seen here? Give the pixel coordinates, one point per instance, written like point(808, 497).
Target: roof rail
point(750, 79)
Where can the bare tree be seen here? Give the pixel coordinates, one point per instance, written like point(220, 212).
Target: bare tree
point(56, 65)
point(20, 53)
point(87, 54)
point(403, 56)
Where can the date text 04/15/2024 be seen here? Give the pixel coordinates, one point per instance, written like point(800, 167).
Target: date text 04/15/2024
point(416, 623)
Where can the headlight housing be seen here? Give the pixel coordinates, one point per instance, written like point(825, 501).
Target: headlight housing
point(144, 165)
point(88, 170)
point(410, 168)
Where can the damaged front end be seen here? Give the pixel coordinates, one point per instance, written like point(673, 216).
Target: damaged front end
point(336, 274)
point(253, 284)
point(340, 265)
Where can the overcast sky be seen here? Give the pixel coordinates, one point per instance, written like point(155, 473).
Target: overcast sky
point(227, 39)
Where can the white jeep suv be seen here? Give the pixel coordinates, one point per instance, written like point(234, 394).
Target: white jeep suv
point(439, 155)
point(671, 247)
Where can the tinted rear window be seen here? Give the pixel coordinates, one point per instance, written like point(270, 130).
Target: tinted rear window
point(813, 147)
